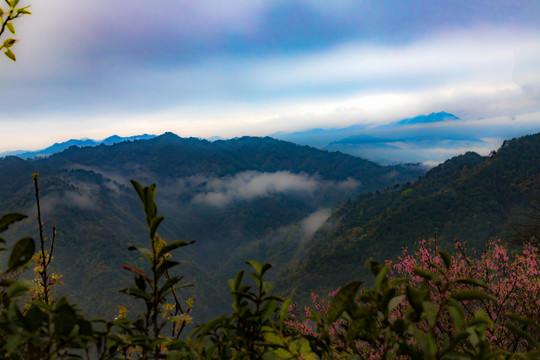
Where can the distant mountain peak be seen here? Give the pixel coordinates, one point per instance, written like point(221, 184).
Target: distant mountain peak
point(430, 118)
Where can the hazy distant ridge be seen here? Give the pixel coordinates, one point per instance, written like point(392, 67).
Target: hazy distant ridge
point(57, 147)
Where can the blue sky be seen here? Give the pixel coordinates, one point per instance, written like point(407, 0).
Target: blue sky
point(246, 67)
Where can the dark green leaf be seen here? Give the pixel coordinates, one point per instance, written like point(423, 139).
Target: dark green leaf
point(170, 283)
point(135, 292)
point(172, 246)
point(284, 312)
point(524, 321)
point(471, 294)
point(472, 281)
point(154, 224)
point(380, 278)
point(21, 253)
point(35, 318)
point(9, 219)
point(428, 275)
point(64, 320)
point(18, 288)
point(523, 334)
point(447, 259)
point(166, 265)
point(341, 300)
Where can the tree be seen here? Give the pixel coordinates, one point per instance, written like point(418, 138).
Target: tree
point(7, 15)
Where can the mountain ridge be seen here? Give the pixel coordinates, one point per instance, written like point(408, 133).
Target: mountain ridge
point(225, 194)
point(468, 198)
point(58, 147)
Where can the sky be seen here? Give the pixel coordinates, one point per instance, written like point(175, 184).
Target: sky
point(203, 68)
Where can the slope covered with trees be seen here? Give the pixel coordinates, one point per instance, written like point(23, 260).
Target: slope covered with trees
point(468, 198)
point(225, 195)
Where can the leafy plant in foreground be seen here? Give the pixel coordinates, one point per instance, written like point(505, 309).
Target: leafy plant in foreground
point(436, 306)
point(144, 337)
point(6, 18)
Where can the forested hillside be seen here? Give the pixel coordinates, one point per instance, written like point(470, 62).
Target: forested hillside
point(225, 195)
point(468, 198)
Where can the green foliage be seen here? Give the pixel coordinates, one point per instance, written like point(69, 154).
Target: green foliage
point(389, 320)
point(6, 19)
point(469, 197)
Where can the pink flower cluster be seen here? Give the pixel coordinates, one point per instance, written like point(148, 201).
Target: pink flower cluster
point(512, 277)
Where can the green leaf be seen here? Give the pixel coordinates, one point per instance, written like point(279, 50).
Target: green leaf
point(255, 265)
point(458, 315)
point(85, 327)
point(265, 268)
point(471, 294)
point(395, 301)
point(35, 318)
point(431, 310)
point(428, 275)
point(523, 334)
point(18, 288)
point(170, 283)
point(341, 300)
point(64, 320)
point(9, 42)
point(21, 253)
point(166, 265)
point(416, 298)
point(154, 224)
point(10, 55)
point(471, 281)
point(381, 277)
point(138, 293)
point(524, 320)
point(173, 246)
point(268, 311)
point(9, 219)
point(24, 10)
point(146, 195)
point(15, 316)
point(234, 284)
point(11, 28)
point(426, 342)
point(284, 312)
point(447, 259)
point(14, 342)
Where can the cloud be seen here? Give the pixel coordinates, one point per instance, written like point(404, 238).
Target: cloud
point(80, 199)
point(252, 184)
point(311, 224)
point(243, 67)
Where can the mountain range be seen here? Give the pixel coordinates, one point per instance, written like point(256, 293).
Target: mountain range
point(226, 195)
point(57, 147)
point(430, 139)
point(317, 215)
point(411, 140)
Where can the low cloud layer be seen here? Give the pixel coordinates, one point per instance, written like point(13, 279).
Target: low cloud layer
point(249, 185)
point(252, 184)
